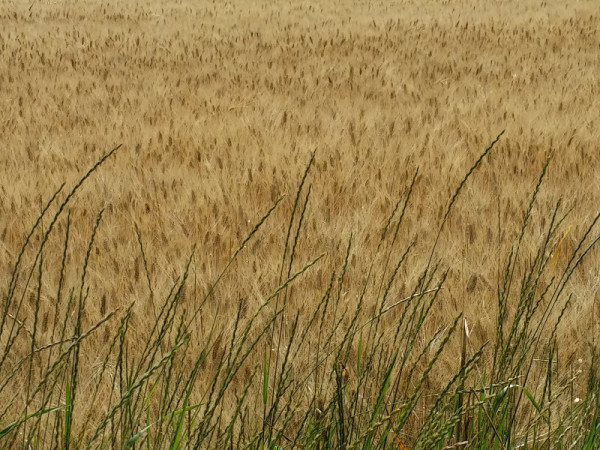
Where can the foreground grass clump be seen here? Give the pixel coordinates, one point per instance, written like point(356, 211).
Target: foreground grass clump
point(290, 373)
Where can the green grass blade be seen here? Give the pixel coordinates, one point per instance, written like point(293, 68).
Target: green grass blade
point(11, 426)
point(68, 416)
point(132, 440)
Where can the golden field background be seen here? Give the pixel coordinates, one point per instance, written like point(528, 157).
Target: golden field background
point(218, 106)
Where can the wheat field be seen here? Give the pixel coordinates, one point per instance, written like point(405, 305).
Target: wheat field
point(359, 120)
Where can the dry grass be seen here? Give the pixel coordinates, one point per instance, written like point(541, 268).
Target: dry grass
point(218, 108)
